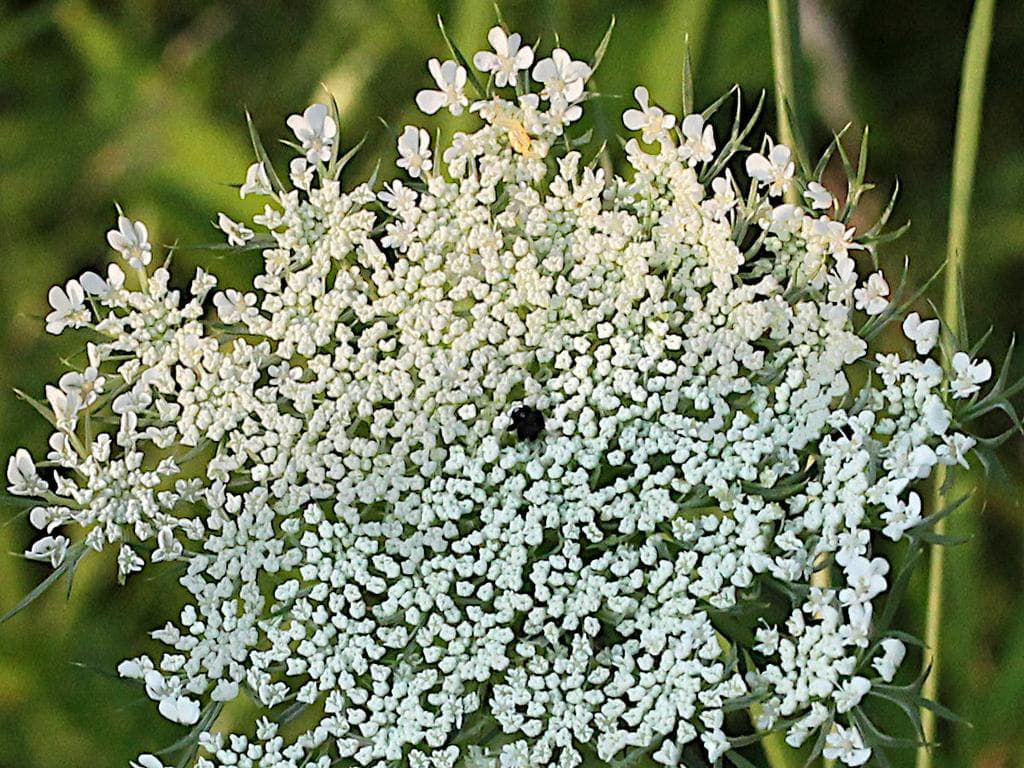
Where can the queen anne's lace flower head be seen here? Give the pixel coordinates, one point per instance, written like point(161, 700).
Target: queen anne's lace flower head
point(509, 446)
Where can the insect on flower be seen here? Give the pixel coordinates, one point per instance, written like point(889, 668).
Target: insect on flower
point(518, 137)
point(527, 422)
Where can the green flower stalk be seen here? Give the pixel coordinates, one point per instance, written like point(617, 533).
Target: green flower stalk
point(965, 155)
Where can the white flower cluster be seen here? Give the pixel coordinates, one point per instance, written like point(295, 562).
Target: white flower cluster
point(483, 467)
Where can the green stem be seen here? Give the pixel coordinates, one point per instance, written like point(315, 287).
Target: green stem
point(783, 20)
point(965, 155)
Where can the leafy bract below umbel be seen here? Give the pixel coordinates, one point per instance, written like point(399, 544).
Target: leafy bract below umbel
point(514, 462)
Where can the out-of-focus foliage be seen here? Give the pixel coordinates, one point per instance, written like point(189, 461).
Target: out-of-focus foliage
point(142, 103)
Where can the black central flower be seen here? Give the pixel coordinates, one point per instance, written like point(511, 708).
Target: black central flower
point(528, 422)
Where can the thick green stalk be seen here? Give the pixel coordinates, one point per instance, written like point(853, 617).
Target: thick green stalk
point(965, 155)
point(783, 15)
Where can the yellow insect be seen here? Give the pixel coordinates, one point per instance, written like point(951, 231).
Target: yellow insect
point(518, 137)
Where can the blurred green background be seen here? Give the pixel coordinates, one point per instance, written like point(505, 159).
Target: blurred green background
point(142, 103)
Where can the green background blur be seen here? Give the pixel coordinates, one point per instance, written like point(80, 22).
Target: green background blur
point(142, 103)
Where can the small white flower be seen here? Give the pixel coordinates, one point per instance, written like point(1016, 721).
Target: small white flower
point(225, 690)
point(136, 400)
point(147, 761)
point(316, 130)
point(43, 519)
point(900, 515)
point(837, 239)
point(560, 114)
point(970, 375)
point(69, 309)
point(852, 544)
point(776, 169)
point(865, 579)
point(167, 547)
point(800, 730)
point(846, 745)
point(301, 173)
point(62, 452)
point(22, 477)
point(131, 240)
point(936, 416)
point(652, 120)
point(102, 289)
point(699, 140)
point(256, 181)
point(508, 58)
point(724, 199)
point(180, 709)
point(668, 753)
point(86, 385)
point(893, 652)
point(921, 461)
point(954, 449)
point(65, 406)
point(128, 562)
point(49, 548)
point(450, 77)
point(871, 298)
point(233, 305)
point(563, 78)
point(238, 234)
point(819, 197)
point(135, 669)
point(397, 196)
point(924, 333)
point(202, 284)
point(851, 693)
point(414, 148)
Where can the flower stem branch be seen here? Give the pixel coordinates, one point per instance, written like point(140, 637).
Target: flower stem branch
point(965, 154)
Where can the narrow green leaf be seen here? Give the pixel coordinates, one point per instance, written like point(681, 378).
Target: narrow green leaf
point(862, 160)
point(459, 57)
point(819, 169)
point(336, 144)
point(739, 760)
point(261, 154)
point(41, 409)
point(74, 554)
point(7, 500)
point(898, 589)
point(257, 243)
point(687, 77)
point(717, 103)
point(338, 164)
point(598, 57)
